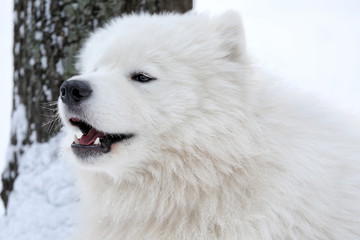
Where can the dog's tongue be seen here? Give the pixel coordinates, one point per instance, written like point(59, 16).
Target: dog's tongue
point(90, 137)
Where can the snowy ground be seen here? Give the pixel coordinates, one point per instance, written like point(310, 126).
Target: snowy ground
point(313, 44)
point(44, 201)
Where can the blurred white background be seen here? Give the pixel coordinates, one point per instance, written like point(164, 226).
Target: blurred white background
point(314, 44)
point(6, 69)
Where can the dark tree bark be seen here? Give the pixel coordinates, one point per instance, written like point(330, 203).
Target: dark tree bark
point(47, 36)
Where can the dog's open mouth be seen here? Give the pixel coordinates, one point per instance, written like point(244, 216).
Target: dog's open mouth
point(93, 142)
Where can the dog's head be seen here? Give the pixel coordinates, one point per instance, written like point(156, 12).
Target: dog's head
point(143, 78)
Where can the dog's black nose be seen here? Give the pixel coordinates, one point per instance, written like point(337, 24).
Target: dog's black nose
point(74, 92)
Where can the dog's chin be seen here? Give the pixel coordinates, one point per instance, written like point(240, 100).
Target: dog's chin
point(122, 162)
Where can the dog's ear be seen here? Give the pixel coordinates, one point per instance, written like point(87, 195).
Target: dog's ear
point(230, 28)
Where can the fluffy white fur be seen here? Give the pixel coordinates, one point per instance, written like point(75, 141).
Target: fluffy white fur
point(221, 150)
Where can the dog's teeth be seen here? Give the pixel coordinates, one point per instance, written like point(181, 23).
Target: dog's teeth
point(76, 140)
point(97, 141)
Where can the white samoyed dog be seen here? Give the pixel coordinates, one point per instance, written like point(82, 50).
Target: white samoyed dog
point(183, 137)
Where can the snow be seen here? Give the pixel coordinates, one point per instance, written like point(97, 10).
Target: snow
point(43, 62)
point(38, 35)
point(95, 23)
point(313, 44)
point(22, 31)
point(22, 14)
point(45, 199)
point(37, 3)
point(47, 92)
point(47, 10)
point(21, 72)
point(42, 49)
point(28, 15)
point(66, 31)
point(75, 6)
point(19, 124)
point(16, 75)
point(60, 40)
point(2, 208)
point(15, 18)
point(59, 67)
point(17, 49)
point(53, 36)
point(32, 61)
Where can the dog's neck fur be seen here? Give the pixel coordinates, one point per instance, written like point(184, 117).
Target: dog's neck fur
point(191, 189)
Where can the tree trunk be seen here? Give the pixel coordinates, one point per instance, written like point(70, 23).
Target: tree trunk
point(47, 36)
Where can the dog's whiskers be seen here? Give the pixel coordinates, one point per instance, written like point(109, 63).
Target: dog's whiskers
point(51, 111)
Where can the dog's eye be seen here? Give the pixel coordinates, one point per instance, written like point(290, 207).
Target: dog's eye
point(141, 77)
